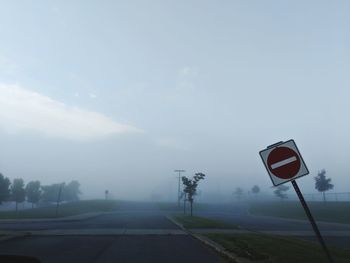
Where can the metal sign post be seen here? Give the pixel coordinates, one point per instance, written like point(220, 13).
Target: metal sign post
point(312, 221)
point(58, 198)
point(178, 186)
point(284, 163)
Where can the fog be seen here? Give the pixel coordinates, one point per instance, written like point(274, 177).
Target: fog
point(118, 95)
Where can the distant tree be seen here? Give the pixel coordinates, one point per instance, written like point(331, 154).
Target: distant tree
point(238, 193)
point(18, 192)
point(255, 189)
point(4, 188)
point(280, 191)
point(191, 185)
point(33, 192)
point(323, 184)
point(71, 191)
point(50, 192)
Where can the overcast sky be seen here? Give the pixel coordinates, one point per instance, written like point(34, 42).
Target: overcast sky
point(118, 94)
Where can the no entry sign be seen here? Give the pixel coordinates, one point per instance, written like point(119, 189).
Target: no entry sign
point(283, 162)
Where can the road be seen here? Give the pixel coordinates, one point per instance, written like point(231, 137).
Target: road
point(140, 232)
point(134, 233)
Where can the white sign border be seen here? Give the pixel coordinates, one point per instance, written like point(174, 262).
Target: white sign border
point(302, 166)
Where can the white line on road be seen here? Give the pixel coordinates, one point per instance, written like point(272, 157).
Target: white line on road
point(106, 232)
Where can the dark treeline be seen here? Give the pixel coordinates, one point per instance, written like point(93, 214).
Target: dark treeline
point(34, 192)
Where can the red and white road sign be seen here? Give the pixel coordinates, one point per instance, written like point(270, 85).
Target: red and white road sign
point(283, 162)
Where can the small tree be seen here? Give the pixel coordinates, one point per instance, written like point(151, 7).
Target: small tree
point(18, 192)
point(323, 184)
point(255, 189)
point(280, 191)
point(190, 188)
point(33, 192)
point(238, 193)
point(4, 188)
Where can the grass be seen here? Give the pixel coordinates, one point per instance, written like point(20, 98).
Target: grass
point(201, 222)
point(68, 209)
point(174, 206)
point(329, 211)
point(273, 249)
point(168, 206)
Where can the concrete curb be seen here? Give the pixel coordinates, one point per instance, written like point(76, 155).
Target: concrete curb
point(56, 219)
point(210, 243)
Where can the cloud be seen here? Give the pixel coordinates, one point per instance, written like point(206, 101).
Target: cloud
point(25, 110)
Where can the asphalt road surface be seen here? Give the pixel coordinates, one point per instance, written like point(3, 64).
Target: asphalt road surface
point(135, 233)
point(140, 232)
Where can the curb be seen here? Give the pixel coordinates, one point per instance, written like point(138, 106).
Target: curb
point(210, 243)
point(55, 219)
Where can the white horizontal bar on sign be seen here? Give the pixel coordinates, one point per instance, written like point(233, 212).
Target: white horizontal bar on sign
point(284, 162)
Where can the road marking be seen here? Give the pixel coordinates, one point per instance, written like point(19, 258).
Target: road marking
point(106, 232)
point(284, 162)
point(129, 231)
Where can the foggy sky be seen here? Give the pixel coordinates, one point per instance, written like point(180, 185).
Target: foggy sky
point(118, 94)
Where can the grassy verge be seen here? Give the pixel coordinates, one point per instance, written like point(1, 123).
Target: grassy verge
point(169, 206)
point(67, 209)
point(201, 222)
point(273, 249)
point(329, 211)
point(173, 206)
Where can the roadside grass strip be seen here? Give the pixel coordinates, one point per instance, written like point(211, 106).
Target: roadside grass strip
point(322, 211)
point(173, 206)
point(276, 249)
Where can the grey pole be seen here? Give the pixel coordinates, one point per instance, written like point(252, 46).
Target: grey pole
point(58, 199)
point(178, 188)
point(312, 221)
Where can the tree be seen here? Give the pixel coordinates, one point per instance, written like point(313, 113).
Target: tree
point(190, 188)
point(255, 189)
point(71, 191)
point(50, 192)
point(323, 184)
point(280, 191)
point(33, 192)
point(238, 193)
point(18, 192)
point(4, 188)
